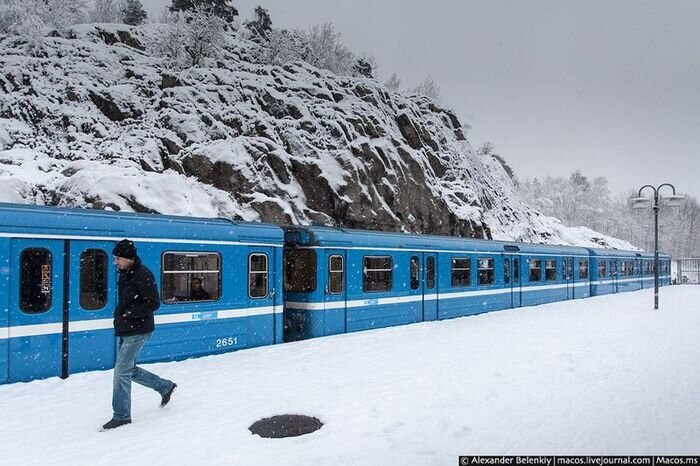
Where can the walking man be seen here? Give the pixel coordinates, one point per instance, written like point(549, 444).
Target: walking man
point(133, 325)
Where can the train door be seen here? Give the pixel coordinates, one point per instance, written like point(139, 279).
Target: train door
point(570, 285)
point(36, 314)
point(430, 290)
point(512, 279)
point(335, 296)
point(92, 297)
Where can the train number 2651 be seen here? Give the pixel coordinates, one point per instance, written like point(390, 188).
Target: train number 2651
point(230, 341)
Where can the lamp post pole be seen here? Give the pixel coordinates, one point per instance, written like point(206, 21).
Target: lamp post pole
point(656, 235)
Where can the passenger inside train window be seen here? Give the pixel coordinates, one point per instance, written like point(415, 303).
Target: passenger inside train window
point(197, 292)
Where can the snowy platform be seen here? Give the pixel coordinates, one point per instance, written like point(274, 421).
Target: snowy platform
point(606, 375)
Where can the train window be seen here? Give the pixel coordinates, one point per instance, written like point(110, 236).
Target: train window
point(583, 269)
point(570, 269)
point(550, 270)
point(335, 274)
point(461, 271)
point(35, 280)
point(414, 273)
point(516, 270)
point(257, 275)
point(430, 272)
point(630, 267)
point(93, 279)
point(506, 271)
point(376, 273)
point(485, 270)
point(300, 270)
point(191, 276)
point(623, 268)
point(535, 270)
point(601, 269)
point(648, 268)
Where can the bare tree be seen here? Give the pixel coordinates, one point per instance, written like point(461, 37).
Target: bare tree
point(105, 11)
point(393, 83)
point(188, 38)
point(428, 88)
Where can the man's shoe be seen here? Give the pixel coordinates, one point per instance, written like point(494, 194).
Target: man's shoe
point(114, 423)
point(166, 398)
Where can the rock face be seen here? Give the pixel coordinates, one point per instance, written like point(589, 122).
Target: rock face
point(97, 122)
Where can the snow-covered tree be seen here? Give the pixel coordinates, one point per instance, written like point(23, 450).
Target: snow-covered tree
point(283, 46)
point(61, 14)
point(133, 12)
point(393, 83)
point(21, 17)
point(221, 8)
point(325, 50)
point(428, 88)
point(187, 39)
point(105, 11)
point(261, 24)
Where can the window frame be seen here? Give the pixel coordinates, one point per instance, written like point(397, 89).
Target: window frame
point(453, 261)
point(164, 272)
point(537, 267)
point(341, 271)
point(105, 280)
point(266, 272)
point(366, 271)
point(492, 269)
point(414, 273)
point(548, 269)
point(49, 261)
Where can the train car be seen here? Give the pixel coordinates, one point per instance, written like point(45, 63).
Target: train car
point(339, 281)
point(615, 271)
point(58, 287)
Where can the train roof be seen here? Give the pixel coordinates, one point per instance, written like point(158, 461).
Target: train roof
point(349, 238)
point(43, 221)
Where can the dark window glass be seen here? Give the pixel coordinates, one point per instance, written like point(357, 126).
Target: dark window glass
point(535, 270)
point(485, 270)
point(335, 274)
point(570, 269)
point(601, 269)
point(430, 273)
point(93, 279)
point(257, 275)
point(461, 272)
point(506, 271)
point(414, 273)
point(191, 276)
point(516, 270)
point(583, 269)
point(36, 281)
point(550, 270)
point(300, 270)
point(377, 273)
point(623, 268)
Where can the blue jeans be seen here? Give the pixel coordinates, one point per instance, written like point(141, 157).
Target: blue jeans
point(125, 371)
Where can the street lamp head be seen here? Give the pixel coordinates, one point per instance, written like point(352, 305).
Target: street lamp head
point(673, 200)
point(640, 202)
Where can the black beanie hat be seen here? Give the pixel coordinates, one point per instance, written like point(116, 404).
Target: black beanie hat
point(125, 248)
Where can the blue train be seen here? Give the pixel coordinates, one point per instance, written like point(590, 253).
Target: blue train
point(264, 284)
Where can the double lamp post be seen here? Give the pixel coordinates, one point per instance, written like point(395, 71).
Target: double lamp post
point(641, 202)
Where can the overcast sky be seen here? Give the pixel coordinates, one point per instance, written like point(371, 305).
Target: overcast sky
point(608, 87)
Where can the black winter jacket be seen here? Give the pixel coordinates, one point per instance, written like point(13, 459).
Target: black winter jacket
point(138, 299)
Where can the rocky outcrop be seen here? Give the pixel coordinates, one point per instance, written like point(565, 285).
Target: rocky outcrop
point(105, 125)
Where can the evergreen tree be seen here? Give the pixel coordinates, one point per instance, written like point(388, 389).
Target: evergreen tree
point(221, 8)
point(133, 12)
point(261, 25)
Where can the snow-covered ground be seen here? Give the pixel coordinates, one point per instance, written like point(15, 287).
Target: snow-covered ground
point(606, 375)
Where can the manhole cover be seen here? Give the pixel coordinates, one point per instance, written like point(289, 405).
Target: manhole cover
point(286, 425)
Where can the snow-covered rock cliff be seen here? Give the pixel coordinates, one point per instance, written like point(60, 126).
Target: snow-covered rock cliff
point(95, 121)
